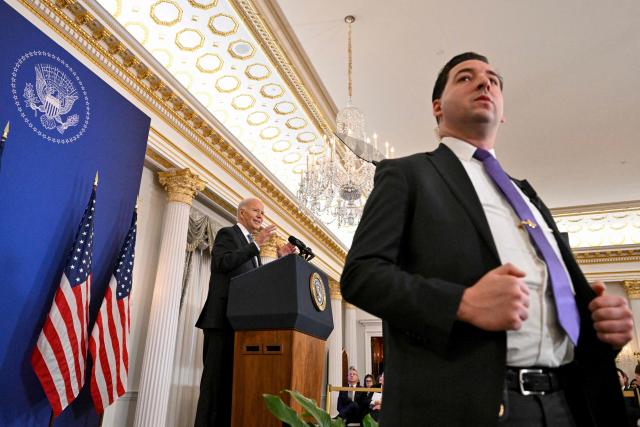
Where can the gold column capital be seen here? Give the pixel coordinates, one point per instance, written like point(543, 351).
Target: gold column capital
point(334, 289)
point(632, 287)
point(181, 185)
point(349, 305)
point(270, 247)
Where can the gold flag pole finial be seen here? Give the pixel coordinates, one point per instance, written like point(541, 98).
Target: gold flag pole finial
point(5, 134)
point(95, 181)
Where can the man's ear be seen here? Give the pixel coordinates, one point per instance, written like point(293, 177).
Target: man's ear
point(436, 108)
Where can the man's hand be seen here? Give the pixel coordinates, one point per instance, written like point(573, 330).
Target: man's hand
point(286, 250)
point(612, 317)
point(264, 234)
point(499, 301)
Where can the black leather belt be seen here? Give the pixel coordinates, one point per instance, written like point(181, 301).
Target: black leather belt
point(533, 380)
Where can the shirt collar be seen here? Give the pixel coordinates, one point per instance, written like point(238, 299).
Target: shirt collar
point(462, 149)
point(243, 229)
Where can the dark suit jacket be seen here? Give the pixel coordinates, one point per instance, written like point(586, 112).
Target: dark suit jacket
point(232, 256)
point(423, 238)
point(354, 409)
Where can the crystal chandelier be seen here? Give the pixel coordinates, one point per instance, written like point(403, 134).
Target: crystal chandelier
point(335, 185)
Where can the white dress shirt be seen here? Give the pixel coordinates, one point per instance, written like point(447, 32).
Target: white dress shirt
point(246, 234)
point(540, 341)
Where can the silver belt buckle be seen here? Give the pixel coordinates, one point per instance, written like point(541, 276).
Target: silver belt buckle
point(521, 382)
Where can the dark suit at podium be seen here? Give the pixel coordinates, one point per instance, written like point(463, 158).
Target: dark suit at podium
point(232, 255)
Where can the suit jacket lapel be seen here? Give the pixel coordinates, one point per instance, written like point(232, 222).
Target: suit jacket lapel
point(241, 239)
point(454, 175)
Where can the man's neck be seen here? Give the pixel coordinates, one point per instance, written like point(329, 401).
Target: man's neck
point(478, 139)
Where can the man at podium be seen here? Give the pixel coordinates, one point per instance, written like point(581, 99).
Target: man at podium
point(236, 250)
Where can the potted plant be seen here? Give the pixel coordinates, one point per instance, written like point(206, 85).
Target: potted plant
point(284, 413)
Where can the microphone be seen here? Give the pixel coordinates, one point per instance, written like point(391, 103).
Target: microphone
point(297, 243)
point(305, 251)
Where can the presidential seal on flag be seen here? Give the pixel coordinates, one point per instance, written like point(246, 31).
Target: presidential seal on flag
point(50, 97)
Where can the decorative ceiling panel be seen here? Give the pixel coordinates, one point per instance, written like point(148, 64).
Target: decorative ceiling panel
point(206, 46)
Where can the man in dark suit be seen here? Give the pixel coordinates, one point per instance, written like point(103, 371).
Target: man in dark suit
point(464, 287)
point(235, 251)
point(351, 404)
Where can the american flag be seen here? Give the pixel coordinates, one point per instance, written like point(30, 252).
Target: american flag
point(61, 352)
point(110, 335)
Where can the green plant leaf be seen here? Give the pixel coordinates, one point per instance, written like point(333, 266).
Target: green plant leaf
point(281, 411)
point(367, 421)
point(311, 407)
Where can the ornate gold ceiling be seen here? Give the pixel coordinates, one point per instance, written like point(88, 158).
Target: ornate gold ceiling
point(207, 47)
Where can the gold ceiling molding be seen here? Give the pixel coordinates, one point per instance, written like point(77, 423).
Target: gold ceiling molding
point(155, 156)
point(607, 256)
point(247, 10)
point(166, 164)
point(601, 208)
point(74, 23)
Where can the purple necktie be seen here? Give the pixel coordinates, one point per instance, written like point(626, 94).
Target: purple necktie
point(565, 302)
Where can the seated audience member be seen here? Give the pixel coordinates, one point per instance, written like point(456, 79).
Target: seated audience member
point(350, 402)
point(376, 400)
point(368, 383)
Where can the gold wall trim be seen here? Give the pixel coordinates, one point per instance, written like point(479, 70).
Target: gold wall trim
point(75, 24)
point(609, 256)
point(156, 157)
point(247, 10)
point(601, 208)
point(207, 193)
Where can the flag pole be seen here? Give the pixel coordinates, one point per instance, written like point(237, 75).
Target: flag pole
point(4, 137)
point(51, 418)
point(5, 134)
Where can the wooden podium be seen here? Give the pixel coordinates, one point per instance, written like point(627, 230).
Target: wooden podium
point(282, 317)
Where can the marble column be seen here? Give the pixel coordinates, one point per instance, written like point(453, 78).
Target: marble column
point(157, 363)
point(350, 341)
point(335, 343)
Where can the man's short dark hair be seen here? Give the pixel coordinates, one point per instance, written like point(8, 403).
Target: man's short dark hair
point(443, 76)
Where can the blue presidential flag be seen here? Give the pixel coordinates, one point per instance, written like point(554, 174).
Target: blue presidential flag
point(66, 124)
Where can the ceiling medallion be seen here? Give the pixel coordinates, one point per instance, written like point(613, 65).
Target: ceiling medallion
point(201, 4)
point(257, 118)
point(306, 137)
point(296, 123)
point(222, 25)
point(270, 132)
point(280, 146)
point(228, 83)
point(241, 49)
point(243, 102)
point(166, 12)
point(291, 158)
point(209, 63)
point(189, 39)
point(272, 90)
point(284, 108)
point(257, 72)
